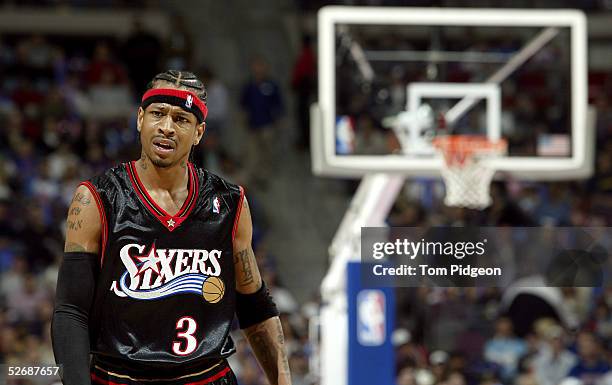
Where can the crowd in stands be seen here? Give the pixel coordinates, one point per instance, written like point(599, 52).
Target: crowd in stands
point(467, 336)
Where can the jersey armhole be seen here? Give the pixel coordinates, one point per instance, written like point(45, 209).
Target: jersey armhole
point(100, 207)
point(238, 211)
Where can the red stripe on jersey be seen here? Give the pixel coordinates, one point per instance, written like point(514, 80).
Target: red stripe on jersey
point(195, 187)
point(211, 378)
point(99, 380)
point(171, 222)
point(238, 211)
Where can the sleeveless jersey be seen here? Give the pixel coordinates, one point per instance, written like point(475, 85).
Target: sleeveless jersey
point(165, 294)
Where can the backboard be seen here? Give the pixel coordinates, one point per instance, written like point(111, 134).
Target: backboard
point(391, 79)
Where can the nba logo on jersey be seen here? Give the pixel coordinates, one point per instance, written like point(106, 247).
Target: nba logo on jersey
point(189, 101)
point(216, 205)
point(371, 317)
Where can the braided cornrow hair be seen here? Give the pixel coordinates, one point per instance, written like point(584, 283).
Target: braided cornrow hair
point(182, 80)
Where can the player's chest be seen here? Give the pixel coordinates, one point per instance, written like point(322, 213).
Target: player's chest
point(202, 215)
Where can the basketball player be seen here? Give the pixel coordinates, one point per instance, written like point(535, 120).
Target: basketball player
point(157, 261)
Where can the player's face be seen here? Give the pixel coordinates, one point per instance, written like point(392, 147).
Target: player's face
point(167, 133)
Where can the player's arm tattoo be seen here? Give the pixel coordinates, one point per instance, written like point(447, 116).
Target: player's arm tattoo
point(75, 225)
point(268, 343)
point(76, 206)
point(247, 274)
point(80, 199)
point(244, 262)
point(79, 228)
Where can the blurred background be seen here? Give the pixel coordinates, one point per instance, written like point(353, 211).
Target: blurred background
point(72, 73)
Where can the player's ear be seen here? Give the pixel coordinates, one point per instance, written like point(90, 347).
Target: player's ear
point(200, 128)
point(139, 118)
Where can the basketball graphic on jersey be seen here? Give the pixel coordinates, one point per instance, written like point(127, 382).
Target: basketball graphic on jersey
point(213, 289)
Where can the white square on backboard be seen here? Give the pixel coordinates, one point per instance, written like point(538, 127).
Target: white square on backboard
point(490, 92)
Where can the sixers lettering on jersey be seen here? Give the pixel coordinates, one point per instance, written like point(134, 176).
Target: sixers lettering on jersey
point(161, 273)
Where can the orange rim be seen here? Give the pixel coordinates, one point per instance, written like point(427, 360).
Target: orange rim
point(459, 148)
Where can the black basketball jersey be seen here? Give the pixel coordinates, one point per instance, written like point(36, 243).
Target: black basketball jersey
point(165, 292)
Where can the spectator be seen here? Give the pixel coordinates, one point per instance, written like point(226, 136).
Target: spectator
point(591, 364)
point(44, 188)
point(554, 209)
point(553, 361)
point(262, 102)
point(39, 52)
point(601, 321)
point(602, 182)
point(504, 348)
point(179, 45)
point(24, 303)
point(282, 297)
point(26, 159)
point(60, 160)
point(439, 365)
point(39, 237)
point(298, 364)
point(369, 139)
point(455, 378)
point(250, 373)
point(28, 99)
point(7, 253)
point(216, 137)
point(110, 96)
point(406, 376)
point(141, 53)
point(54, 105)
point(5, 189)
point(104, 66)
point(303, 82)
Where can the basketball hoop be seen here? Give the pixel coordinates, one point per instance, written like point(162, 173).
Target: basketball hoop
point(466, 172)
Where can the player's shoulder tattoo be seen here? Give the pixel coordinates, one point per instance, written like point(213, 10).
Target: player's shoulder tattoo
point(79, 202)
point(80, 198)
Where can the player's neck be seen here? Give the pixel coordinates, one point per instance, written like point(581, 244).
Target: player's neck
point(170, 178)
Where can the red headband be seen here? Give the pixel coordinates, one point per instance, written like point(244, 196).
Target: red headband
point(187, 100)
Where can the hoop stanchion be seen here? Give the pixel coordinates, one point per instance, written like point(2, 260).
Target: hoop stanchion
point(466, 172)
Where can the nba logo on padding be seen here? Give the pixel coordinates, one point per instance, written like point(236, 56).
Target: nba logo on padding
point(216, 205)
point(371, 317)
point(189, 101)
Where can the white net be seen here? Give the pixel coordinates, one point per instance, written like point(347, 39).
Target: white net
point(468, 185)
point(466, 173)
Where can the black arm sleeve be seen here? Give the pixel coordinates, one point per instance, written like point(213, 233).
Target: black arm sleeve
point(254, 308)
point(70, 326)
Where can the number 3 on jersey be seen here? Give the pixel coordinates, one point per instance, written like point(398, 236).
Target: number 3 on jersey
point(189, 326)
